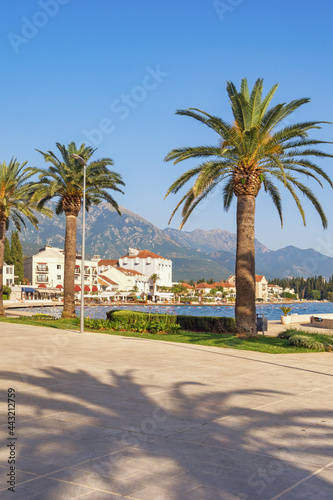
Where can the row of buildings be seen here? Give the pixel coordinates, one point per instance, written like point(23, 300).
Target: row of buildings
point(141, 273)
point(136, 272)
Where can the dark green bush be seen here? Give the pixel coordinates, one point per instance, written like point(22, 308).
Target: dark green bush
point(141, 321)
point(211, 324)
point(285, 335)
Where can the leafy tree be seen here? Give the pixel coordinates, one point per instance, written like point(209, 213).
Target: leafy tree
point(16, 205)
point(254, 151)
point(17, 257)
point(315, 295)
point(8, 254)
point(178, 290)
point(63, 180)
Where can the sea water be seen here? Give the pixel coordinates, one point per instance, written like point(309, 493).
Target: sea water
point(271, 311)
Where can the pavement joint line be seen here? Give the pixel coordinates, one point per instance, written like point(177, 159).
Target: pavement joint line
point(39, 476)
point(302, 481)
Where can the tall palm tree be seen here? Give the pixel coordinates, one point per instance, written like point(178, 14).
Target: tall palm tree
point(64, 180)
point(254, 151)
point(15, 205)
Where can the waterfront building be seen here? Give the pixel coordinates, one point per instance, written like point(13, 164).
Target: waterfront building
point(148, 263)
point(45, 270)
point(8, 275)
point(261, 287)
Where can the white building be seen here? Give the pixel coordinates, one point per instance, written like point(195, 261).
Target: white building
point(8, 275)
point(261, 287)
point(46, 270)
point(123, 280)
point(148, 263)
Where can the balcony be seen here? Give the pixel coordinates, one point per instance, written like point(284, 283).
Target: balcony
point(42, 279)
point(42, 269)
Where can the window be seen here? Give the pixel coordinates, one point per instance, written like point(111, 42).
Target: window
point(58, 277)
point(58, 266)
point(42, 278)
point(42, 268)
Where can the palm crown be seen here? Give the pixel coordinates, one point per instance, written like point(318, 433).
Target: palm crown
point(252, 153)
point(64, 179)
point(15, 200)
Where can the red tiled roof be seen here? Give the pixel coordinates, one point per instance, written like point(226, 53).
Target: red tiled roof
point(130, 272)
point(106, 280)
point(108, 262)
point(223, 284)
point(144, 254)
point(259, 278)
point(203, 285)
point(186, 285)
point(215, 285)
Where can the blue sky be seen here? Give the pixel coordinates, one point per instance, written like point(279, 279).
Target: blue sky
point(113, 73)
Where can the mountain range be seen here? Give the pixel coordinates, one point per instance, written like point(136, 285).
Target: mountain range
point(196, 254)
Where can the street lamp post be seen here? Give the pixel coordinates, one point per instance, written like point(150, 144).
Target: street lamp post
point(81, 160)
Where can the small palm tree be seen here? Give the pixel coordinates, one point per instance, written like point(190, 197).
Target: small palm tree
point(15, 205)
point(251, 153)
point(154, 277)
point(64, 180)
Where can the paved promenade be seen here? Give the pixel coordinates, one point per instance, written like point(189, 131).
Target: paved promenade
point(105, 417)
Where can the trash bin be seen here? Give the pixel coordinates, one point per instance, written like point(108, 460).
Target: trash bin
point(261, 323)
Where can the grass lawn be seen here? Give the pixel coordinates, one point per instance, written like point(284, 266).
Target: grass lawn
point(273, 345)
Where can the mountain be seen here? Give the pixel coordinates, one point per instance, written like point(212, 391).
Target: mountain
point(110, 235)
point(294, 262)
point(197, 254)
point(214, 240)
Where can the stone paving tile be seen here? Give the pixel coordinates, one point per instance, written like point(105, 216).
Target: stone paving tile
point(100, 495)
point(307, 491)
point(155, 493)
point(46, 489)
point(208, 493)
point(160, 466)
point(34, 466)
point(179, 483)
point(20, 476)
point(103, 482)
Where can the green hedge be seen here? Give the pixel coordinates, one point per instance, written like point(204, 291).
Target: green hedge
point(209, 324)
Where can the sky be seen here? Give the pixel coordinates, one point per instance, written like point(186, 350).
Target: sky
point(112, 73)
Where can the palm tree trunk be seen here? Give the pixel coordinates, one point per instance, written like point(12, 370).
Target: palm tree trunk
point(245, 310)
point(2, 254)
point(69, 272)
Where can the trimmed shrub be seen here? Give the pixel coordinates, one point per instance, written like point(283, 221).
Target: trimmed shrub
point(141, 321)
point(211, 324)
point(155, 322)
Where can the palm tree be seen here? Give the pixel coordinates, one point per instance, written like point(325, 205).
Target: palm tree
point(64, 180)
point(154, 277)
point(252, 153)
point(15, 205)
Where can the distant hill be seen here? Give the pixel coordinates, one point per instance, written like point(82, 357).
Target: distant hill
point(197, 254)
point(292, 261)
point(214, 240)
